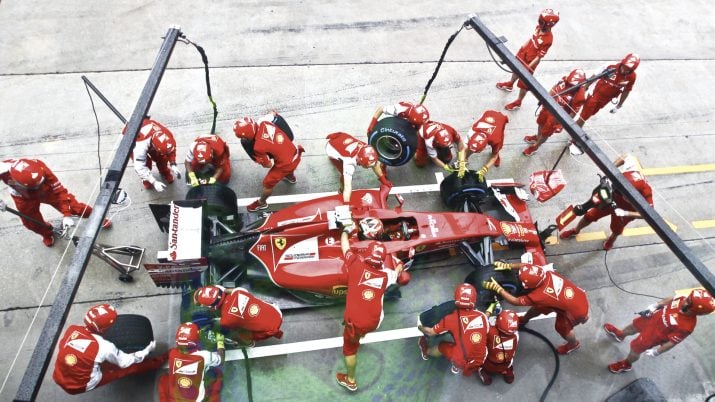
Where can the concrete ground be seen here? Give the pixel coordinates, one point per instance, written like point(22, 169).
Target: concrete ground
point(326, 66)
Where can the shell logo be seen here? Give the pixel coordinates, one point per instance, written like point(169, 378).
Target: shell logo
point(368, 295)
point(569, 293)
point(253, 310)
point(476, 337)
point(184, 382)
point(70, 360)
point(500, 356)
point(506, 229)
point(489, 119)
point(279, 139)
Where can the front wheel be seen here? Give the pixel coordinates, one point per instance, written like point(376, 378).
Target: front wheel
point(463, 193)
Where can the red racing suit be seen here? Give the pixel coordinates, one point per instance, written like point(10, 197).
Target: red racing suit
point(492, 124)
point(618, 223)
point(86, 361)
point(398, 110)
point(537, 45)
point(188, 375)
point(242, 310)
point(144, 153)
point(666, 324)
point(469, 329)
point(363, 304)
point(607, 88)
point(221, 157)
point(426, 147)
point(571, 102)
point(273, 149)
point(342, 150)
point(558, 294)
point(51, 192)
point(501, 350)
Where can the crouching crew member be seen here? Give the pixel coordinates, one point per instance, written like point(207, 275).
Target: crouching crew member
point(347, 152)
point(488, 130)
point(155, 144)
point(208, 158)
point(440, 143)
point(502, 341)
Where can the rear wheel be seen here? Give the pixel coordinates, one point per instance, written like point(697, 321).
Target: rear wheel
point(463, 193)
point(130, 333)
point(220, 200)
point(394, 140)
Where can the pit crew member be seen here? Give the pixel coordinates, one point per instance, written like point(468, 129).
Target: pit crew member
point(468, 327)
point(273, 149)
point(502, 342)
point(548, 292)
point(531, 53)
point(619, 84)
point(32, 183)
point(345, 153)
point(85, 360)
point(438, 142)
point(243, 315)
point(415, 114)
point(368, 279)
point(571, 102)
point(208, 158)
point(624, 212)
point(488, 130)
point(194, 373)
point(661, 327)
point(155, 144)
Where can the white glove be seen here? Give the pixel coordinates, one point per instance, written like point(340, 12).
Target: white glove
point(159, 186)
point(67, 222)
point(142, 354)
point(620, 212)
point(3, 206)
point(176, 171)
point(652, 352)
point(615, 109)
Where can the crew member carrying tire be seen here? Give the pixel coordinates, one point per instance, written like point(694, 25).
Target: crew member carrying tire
point(208, 158)
point(155, 144)
point(273, 149)
point(32, 183)
point(345, 153)
point(440, 143)
point(619, 84)
point(415, 114)
point(86, 360)
point(488, 130)
point(194, 373)
point(502, 342)
point(547, 292)
point(468, 327)
point(244, 317)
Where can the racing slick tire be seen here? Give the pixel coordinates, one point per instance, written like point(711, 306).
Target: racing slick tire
point(455, 190)
point(130, 333)
point(508, 279)
point(221, 200)
point(394, 139)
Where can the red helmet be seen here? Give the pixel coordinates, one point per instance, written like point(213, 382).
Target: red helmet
point(701, 302)
point(442, 137)
point(202, 152)
point(531, 276)
point(187, 335)
point(548, 17)
point(163, 143)
point(28, 173)
point(371, 228)
point(631, 61)
point(99, 318)
point(366, 156)
point(417, 114)
point(575, 77)
point(209, 296)
point(375, 253)
point(246, 128)
point(477, 142)
point(507, 322)
point(465, 296)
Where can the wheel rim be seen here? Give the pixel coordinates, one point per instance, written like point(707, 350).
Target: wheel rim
point(389, 148)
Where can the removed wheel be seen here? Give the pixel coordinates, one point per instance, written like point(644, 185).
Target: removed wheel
point(130, 333)
point(508, 279)
point(395, 141)
point(455, 190)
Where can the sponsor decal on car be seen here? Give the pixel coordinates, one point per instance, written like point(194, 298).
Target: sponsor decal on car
point(339, 290)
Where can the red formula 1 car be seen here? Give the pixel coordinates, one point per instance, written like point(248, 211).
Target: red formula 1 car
point(297, 249)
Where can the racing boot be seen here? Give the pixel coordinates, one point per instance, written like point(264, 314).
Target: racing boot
point(530, 150)
point(620, 367)
point(614, 332)
point(147, 185)
point(568, 233)
point(567, 348)
point(513, 106)
point(505, 86)
point(509, 375)
point(49, 241)
point(343, 380)
point(256, 206)
point(608, 244)
point(291, 178)
point(424, 349)
point(530, 139)
point(484, 376)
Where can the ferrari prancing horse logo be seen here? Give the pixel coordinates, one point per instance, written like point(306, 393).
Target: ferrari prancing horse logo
point(280, 242)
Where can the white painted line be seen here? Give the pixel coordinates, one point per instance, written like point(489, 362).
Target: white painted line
point(333, 343)
point(439, 176)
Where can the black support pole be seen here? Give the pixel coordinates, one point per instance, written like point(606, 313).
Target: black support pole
point(675, 243)
point(104, 99)
point(42, 354)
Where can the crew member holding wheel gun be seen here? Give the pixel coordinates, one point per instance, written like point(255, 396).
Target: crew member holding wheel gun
point(208, 158)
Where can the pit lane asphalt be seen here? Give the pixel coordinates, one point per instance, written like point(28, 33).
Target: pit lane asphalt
point(326, 67)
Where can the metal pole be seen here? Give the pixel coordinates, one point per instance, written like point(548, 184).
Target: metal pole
point(675, 243)
point(42, 354)
point(105, 100)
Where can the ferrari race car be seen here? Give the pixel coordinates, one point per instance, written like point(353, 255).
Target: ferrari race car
point(297, 249)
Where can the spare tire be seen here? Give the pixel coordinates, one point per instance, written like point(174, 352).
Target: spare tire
point(454, 190)
point(394, 139)
point(130, 333)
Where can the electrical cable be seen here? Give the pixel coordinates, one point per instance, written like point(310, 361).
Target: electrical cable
point(608, 271)
point(439, 63)
point(96, 119)
point(205, 60)
point(249, 383)
point(557, 360)
point(497, 62)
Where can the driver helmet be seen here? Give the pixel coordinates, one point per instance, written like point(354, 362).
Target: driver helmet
point(99, 318)
point(630, 62)
point(417, 114)
point(701, 302)
point(209, 296)
point(575, 77)
point(245, 128)
point(548, 18)
point(371, 228)
point(27, 173)
point(477, 142)
point(531, 276)
point(187, 335)
point(202, 152)
point(163, 143)
point(465, 296)
point(507, 322)
point(375, 254)
point(366, 156)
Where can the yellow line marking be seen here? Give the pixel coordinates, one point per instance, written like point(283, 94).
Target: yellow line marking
point(678, 169)
point(591, 236)
point(551, 240)
point(710, 223)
